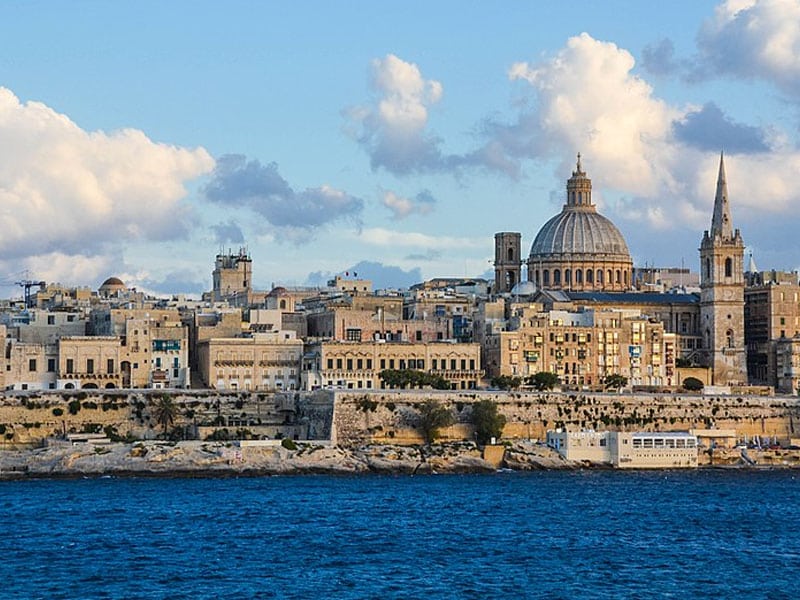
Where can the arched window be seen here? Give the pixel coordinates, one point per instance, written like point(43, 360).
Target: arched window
point(708, 268)
point(625, 273)
point(567, 276)
point(536, 278)
point(283, 304)
point(610, 277)
point(600, 276)
point(556, 277)
point(729, 337)
point(619, 279)
point(510, 254)
point(546, 277)
point(589, 276)
point(728, 267)
point(578, 276)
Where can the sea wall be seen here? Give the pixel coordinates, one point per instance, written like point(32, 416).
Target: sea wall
point(391, 416)
point(350, 419)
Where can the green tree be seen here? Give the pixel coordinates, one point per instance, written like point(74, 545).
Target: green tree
point(432, 417)
point(693, 384)
point(165, 412)
point(405, 378)
point(615, 381)
point(488, 423)
point(506, 382)
point(543, 381)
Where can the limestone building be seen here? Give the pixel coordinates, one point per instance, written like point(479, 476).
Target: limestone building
point(354, 365)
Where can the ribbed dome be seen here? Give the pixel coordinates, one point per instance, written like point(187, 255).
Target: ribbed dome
point(576, 230)
point(580, 249)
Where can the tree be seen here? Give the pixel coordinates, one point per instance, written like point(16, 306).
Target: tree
point(432, 417)
point(165, 412)
point(693, 384)
point(404, 378)
point(615, 381)
point(488, 423)
point(506, 382)
point(543, 381)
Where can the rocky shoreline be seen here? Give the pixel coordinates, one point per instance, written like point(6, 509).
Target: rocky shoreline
point(226, 459)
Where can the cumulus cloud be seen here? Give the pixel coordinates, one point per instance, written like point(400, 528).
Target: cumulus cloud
point(647, 155)
point(754, 39)
point(238, 182)
point(659, 58)
point(78, 195)
point(708, 128)
point(393, 129)
point(422, 204)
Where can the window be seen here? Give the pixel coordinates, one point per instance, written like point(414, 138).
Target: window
point(360, 364)
point(330, 363)
point(728, 267)
point(452, 364)
point(418, 335)
point(51, 319)
point(158, 362)
point(349, 364)
point(51, 365)
point(383, 364)
point(32, 364)
point(338, 363)
point(352, 335)
point(369, 363)
point(110, 366)
point(90, 365)
point(70, 366)
point(434, 364)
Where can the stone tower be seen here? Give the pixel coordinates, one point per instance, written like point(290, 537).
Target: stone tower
point(232, 274)
point(722, 292)
point(507, 261)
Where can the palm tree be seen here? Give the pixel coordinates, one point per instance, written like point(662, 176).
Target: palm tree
point(165, 412)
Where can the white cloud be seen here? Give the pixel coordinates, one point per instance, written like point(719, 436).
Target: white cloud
point(78, 195)
point(757, 39)
point(378, 236)
point(393, 130)
point(589, 100)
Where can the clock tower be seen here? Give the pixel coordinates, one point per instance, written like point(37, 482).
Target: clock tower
point(722, 292)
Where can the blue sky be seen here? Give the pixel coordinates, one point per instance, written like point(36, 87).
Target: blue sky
point(137, 139)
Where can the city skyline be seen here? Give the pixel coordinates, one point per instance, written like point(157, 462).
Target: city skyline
point(139, 140)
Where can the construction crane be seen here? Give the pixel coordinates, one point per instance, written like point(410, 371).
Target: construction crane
point(27, 284)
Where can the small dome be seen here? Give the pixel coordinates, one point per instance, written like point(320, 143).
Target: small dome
point(524, 288)
point(112, 282)
point(277, 291)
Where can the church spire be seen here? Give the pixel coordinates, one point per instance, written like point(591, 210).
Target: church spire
point(579, 189)
point(721, 221)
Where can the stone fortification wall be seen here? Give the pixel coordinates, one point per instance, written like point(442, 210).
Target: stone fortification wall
point(390, 416)
point(27, 418)
point(351, 418)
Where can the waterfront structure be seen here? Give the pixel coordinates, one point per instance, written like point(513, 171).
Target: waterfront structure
point(722, 292)
point(627, 450)
point(580, 249)
point(357, 365)
point(89, 362)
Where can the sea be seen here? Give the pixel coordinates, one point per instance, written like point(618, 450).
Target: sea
point(553, 534)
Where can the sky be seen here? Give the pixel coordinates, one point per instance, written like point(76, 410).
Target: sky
point(140, 139)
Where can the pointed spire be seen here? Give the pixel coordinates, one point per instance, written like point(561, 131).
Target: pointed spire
point(721, 222)
point(751, 266)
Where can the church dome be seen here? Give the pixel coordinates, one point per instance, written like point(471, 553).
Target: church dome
point(579, 232)
point(580, 249)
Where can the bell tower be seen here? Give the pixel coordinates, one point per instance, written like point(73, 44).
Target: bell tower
point(507, 261)
point(722, 292)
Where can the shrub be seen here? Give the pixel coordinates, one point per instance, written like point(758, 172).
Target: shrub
point(57, 412)
point(288, 444)
point(74, 407)
point(432, 417)
point(543, 380)
point(693, 384)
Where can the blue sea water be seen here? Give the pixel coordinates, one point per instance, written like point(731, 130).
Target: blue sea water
point(584, 534)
